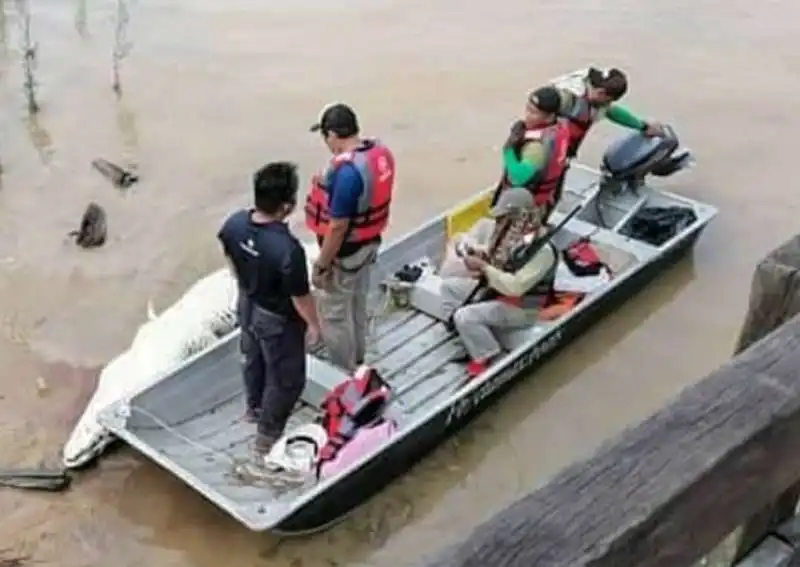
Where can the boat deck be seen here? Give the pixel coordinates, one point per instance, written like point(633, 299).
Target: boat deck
point(412, 350)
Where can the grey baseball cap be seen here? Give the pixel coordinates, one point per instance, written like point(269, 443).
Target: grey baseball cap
point(512, 199)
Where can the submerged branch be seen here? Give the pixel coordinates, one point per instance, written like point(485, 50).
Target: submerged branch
point(121, 45)
point(28, 49)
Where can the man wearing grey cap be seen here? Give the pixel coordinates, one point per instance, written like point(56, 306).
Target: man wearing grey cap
point(519, 273)
point(535, 153)
point(347, 209)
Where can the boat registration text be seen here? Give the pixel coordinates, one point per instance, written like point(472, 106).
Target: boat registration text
point(472, 401)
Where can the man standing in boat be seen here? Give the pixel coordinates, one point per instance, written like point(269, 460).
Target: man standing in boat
point(348, 210)
point(535, 153)
point(519, 275)
point(600, 99)
point(276, 309)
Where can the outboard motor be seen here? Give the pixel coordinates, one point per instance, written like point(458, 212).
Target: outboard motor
point(629, 160)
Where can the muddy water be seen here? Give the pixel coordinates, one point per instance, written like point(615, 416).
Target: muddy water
point(213, 89)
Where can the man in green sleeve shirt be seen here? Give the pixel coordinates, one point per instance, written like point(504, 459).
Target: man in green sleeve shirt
point(600, 99)
point(535, 153)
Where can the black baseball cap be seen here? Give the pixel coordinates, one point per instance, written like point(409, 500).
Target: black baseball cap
point(546, 99)
point(338, 119)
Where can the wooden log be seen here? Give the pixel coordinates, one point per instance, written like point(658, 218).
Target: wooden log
point(665, 492)
point(774, 298)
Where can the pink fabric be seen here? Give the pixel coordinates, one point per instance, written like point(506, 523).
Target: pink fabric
point(365, 441)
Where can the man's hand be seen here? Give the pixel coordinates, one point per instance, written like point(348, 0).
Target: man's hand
point(321, 276)
point(313, 335)
point(481, 252)
point(474, 263)
point(516, 135)
point(653, 129)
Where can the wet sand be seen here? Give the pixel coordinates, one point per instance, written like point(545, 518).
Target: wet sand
point(211, 90)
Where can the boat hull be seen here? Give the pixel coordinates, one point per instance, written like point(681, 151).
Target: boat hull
point(356, 488)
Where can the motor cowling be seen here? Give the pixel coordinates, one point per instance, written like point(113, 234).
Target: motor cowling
point(631, 158)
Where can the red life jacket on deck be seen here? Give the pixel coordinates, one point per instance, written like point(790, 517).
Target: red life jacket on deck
point(546, 183)
point(582, 259)
point(375, 163)
point(358, 401)
point(580, 118)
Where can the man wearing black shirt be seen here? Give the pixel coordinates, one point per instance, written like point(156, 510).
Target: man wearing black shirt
point(276, 309)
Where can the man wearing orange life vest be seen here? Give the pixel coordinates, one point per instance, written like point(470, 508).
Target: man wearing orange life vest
point(599, 99)
point(347, 209)
point(535, 153)
point(519, 275)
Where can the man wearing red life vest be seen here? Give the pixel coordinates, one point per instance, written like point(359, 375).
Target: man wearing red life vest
point(535, 153)
point(347, 208)
point(599, 99)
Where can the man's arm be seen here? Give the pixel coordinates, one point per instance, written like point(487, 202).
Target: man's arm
point(294, 274)
point(223, 241)
point(521, 170)
point(622, 116)
point(345, 191)
point(516, 284)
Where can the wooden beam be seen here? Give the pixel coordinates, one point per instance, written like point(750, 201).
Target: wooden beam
point(665, 492)
point(774, 298)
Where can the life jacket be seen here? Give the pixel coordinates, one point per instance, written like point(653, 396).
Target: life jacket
point(580, 117)
point(582, 259)
point(358, 401)
point(375, 164)
point(546, 183)
point(540, 294)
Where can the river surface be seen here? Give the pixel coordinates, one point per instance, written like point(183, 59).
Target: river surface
point(213, 89)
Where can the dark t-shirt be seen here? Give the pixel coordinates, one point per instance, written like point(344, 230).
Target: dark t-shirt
point(270, 262)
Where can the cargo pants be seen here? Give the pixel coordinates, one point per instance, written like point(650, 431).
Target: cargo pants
point(274, 368)
point(477, 322)
point(343, 310)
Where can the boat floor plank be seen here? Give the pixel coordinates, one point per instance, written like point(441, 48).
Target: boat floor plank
point(211, 446)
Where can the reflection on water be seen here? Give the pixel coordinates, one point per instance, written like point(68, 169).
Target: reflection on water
point(39, 136)
point(3, 30)
point(81, 17)
point(129, 134)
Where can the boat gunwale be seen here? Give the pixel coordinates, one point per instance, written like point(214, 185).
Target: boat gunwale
point(278, 511)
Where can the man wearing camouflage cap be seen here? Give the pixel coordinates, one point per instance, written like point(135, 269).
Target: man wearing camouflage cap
point(519, 273)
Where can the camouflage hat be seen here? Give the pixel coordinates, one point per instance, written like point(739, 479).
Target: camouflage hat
point(513, 199)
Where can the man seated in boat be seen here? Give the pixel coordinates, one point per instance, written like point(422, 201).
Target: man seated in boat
point(535, 153)
point(518, 271)
point(598, 99)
